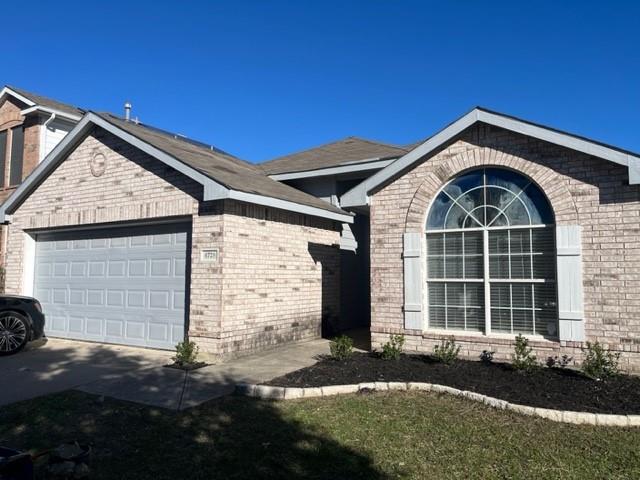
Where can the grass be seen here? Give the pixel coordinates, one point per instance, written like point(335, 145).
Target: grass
point(377, 436)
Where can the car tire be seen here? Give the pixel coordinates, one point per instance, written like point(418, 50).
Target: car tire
point(15, 332)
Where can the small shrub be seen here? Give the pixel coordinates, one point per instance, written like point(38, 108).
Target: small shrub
point(559, 362)
point(186, 352)
point(341, 347)
point(599, 362)
point(447, 352)
point(393, 348)
point(486, 357)
point(523, 358)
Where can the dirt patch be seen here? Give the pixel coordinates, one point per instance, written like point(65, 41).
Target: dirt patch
point(560, 389)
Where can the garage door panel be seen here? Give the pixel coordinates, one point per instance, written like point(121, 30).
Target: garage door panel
point(125, 289)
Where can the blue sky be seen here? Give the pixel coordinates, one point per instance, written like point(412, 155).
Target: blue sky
point(264, 78)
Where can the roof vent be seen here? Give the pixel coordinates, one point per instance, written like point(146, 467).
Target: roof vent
point(127, 111)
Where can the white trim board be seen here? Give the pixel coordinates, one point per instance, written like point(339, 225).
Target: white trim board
point(22, 98)
point(359, 195)
point(212, 190)
point(50, 111)
point(361, 166)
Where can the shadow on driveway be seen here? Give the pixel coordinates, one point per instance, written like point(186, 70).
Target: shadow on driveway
point(57, 365)
point(138, 375)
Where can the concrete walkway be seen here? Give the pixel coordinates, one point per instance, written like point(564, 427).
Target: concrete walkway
point(177, 389)
point(138, 375)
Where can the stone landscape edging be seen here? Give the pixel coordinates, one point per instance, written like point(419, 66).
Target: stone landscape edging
point(579, 418)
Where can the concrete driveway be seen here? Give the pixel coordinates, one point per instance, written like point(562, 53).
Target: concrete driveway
point(63, 364)
point(138, 374)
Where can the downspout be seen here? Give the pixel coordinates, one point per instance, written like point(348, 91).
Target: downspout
point(49, 120)
point(44, 135)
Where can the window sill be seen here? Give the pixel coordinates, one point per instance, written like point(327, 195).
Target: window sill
point(500, 338)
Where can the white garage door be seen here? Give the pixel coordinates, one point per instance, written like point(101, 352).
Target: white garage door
point(122, 286)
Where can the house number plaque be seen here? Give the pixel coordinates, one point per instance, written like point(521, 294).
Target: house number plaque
point(209, 255)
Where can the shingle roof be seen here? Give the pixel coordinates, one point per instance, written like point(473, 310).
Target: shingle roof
point(347, 150)
point(48, 102)
point(225, 169)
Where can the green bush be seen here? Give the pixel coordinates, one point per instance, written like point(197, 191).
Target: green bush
point(393, 348)
point(523, 358)
point(447, 352)
point(341, 347)
point(599, 362)
point(186, 352)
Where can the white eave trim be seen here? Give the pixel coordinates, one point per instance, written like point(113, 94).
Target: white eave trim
point(51, 111)
point(13, 93)
point(212, 189)
point(291, 206)
point(358, 196)
point(361, 166)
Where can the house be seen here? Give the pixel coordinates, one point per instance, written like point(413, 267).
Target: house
point(30, 127)
point(496, 226)
point(493, 226)
point(133, 235)
point(328, 171)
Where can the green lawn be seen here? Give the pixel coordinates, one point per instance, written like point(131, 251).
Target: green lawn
point(385, 435)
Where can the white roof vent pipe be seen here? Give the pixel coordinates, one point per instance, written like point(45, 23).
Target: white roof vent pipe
point(127, 111)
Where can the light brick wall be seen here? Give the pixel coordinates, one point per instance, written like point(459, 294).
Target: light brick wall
point(583, 190)
point(276, 272)
point(281, 276)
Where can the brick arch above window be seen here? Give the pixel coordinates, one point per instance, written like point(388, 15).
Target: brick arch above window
point(546, 178)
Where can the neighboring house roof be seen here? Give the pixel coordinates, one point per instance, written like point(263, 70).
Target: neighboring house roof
point(38, 102)
point(221, 175)
point(359, 195)
point(349, 150)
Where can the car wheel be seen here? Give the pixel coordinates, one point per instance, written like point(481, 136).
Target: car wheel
point(14, 332)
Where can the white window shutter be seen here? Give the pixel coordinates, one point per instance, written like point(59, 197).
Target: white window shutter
point(570, 295)
point(412, 255)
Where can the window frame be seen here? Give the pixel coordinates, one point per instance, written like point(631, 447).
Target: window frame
point(486, 280)
point(16, 156)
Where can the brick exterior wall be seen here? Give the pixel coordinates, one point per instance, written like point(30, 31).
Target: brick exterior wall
point(582, 190)
point(280, 277)
point(277, 271)
point(9, 118)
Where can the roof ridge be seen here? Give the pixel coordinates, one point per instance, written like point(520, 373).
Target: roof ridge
point(205, 147)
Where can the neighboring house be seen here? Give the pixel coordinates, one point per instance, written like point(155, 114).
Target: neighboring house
point(30, 127)
point(492, 227)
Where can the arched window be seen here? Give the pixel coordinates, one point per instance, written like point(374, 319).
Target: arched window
point(491, 256)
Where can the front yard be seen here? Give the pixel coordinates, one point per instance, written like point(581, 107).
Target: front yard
point(374, 436)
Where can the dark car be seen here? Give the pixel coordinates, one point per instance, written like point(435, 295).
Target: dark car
point(21, 321)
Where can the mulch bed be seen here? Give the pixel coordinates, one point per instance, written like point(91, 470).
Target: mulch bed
point(560, 389)
point(187, 366)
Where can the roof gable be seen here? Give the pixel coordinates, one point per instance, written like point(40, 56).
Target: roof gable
point(221, 175)
point(359, 195)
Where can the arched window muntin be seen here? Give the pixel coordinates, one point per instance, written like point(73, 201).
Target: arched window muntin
point(491, 266)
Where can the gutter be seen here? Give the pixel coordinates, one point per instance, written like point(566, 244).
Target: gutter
point(51, 111)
